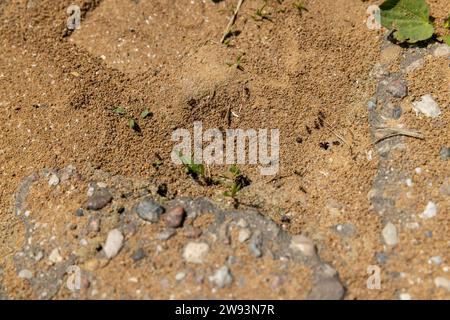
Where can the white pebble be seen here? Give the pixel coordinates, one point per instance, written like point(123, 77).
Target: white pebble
point(222, 277)
point(303, 244)
point(54, 256)
point(114, 243)
point(195, 252)
point(244, 235)
point(25, 274)
point(442, 50)
point(180, 276)
point(437, 260)
point(427, 106)
point(430, 211)
point(442, 282)
point(405, 296)
point(390, 235)
point(54, 180)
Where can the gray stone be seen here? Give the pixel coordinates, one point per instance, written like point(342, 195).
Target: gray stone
point(166, 234)
point(397, 112)
point(397, 88)
point(222, 277)
point(99, 199)
point(444, 153)
point(255, 244)
point(139, 254)
point(390, 235)
point(114, 243)
point(327, 289)
point(441, 50)
point(346, 230)
point(382, 257)
point(149, 210)
point(195, 252)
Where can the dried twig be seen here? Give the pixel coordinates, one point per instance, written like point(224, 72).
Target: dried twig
point(232, 21)
point(394, 132)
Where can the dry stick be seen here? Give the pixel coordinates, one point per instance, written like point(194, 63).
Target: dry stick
point(231, 22)
point(394, 132)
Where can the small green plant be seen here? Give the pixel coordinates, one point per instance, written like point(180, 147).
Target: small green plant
point(238, 63)
point(238, 181)
point(133, 125)
point(146, 114)
point(119, 110)
point(261, 15)
point(299, 6)
point(447, 23)
point(196, 171)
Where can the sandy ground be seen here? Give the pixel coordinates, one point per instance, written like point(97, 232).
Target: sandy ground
point(310, 74)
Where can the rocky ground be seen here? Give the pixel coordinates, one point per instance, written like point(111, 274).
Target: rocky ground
point(93, 209)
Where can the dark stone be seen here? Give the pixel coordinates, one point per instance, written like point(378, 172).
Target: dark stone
point(149, 210)
point(139, 254)
point(79, 212)
point(99, 199)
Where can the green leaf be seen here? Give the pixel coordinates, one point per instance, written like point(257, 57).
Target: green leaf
point(145, 114)
point(409, 18)
point(132, 124)
point(119, 110)
point(446, 39)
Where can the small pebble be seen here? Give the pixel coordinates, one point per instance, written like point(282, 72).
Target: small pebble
point(390, 235)
point(427, 106)
point(54, 256)
point(139, 254)
point(180, 276)
point(174, 217)
point(149, 210)
point(442, 282)
point(99, 199)
point(244, 235)
point(397, 112)
point(404, 296)
point(397, 88)
point(192, 232)
point(437, 260)
point(25, 274)
point(222, 277)
point(444, 153)
point(242, 223)
point(441, 50)
point(256, 244)
point(53, 180)
point(430, 211)
point(195, 252)
point(382, 257)
point(114, 243)
point(166, 234)
point(303, 244)
point(79, 212)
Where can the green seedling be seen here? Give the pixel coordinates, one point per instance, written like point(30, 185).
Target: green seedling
point(447, 23)
point(261, 15)
point(146, 114)
point(237, 64)
point(196, 171)
point(119, 110)
point(133, 125)
point(300, 7)
point(238, 181)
